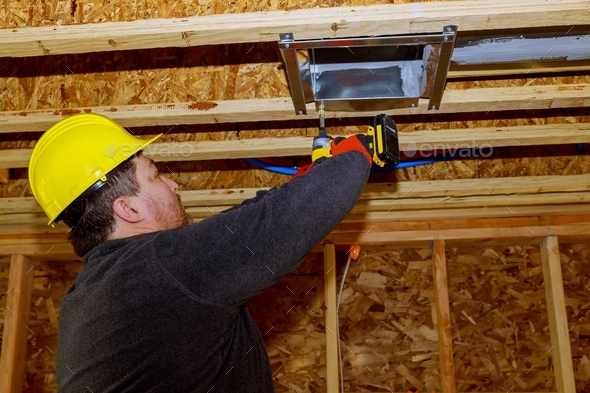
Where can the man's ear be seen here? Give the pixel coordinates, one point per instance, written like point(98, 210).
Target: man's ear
point(126, 209)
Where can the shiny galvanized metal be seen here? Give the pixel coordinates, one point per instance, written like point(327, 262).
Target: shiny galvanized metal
point(368, 74)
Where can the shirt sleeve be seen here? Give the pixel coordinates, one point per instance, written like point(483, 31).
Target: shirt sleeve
point(230, 257)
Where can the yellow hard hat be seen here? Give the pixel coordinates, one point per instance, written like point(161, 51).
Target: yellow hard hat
point(73, 155)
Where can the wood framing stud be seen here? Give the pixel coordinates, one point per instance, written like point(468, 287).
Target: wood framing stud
point(14, 337)
point(485, 99)
point(331, 318)
point(558, 324)
point(4, 175)
point(443, 315)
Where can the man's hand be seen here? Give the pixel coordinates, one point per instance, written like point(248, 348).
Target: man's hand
point(357, 142)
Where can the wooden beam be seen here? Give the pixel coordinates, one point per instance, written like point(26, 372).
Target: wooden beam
point(58, 249)
point(405, 194)
point(456, 222)
point(540, 196)
point(4, 175)
point(407, 210)
point(467, 194)
point(482, 237)
point(419, 141)
point(558, 324)
point(319, 23)
point(485, 100)
point(402, 220)
point(332, 360)
point(505, 208)
point(511, 203)
point(546, 134)
point(408, 218)
point(433, 188)
point(467, 213)
point(443, 315)
point(16, 319)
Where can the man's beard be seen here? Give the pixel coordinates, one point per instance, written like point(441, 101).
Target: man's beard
point(170, 215)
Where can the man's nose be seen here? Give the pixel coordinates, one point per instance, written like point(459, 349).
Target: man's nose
point(171, 183)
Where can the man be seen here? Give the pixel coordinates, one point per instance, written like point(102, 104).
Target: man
point(159, 305)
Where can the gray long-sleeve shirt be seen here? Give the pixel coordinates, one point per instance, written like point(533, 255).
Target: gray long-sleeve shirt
point(165, 311)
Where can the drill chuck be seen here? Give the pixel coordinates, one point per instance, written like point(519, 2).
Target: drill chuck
point(320, 147)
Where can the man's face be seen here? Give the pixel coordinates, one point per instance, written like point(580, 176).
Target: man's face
point(159, 194)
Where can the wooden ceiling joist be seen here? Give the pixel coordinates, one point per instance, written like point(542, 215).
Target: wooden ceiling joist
point(403, 191)
point(425, 140)
point(34, 224)
point(470, 213)
point(544, 201)
point(281, 109)
point(305, 23)
point(465, 237)
point(54, 250)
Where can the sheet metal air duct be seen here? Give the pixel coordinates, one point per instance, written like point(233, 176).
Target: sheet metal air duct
point(368, 74)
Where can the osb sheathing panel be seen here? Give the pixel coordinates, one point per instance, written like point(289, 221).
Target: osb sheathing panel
point(50, 284)
point(575, 266)
point(499, 321)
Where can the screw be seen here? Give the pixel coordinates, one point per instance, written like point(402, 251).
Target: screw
point(300, 112)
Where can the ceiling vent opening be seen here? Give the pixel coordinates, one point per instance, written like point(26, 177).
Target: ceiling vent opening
point(368, 74)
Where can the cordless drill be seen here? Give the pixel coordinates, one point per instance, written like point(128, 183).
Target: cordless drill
point(382, 139)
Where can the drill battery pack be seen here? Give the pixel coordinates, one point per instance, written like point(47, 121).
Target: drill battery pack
point(385, 142)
